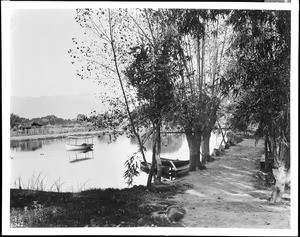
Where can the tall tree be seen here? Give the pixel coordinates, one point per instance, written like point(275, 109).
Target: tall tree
point(259, 77)
point(153, 74)
point(117, 35)
point(197, 90)
point(218, 36)
point(103, 55)
point(14, 120)
point(189, 30)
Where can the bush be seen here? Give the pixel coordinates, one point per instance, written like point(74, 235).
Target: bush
point(35, 216)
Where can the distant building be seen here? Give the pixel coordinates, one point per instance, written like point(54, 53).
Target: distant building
point(30, 125)
point(36, 125)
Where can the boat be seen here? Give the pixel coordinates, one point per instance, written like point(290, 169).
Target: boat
point(74, 143)
point(146, 166)
point(170, 167)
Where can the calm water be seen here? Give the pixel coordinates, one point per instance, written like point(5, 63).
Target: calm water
point(46, 163)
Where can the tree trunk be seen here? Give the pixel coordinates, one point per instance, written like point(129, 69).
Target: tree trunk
point(198, 64)
point(194, 142)
point(141, 147)
point(224, 134)
point(267, 163)
point(202, 62)
point(274, 150)
point(152, 169)
point(157, 154)
point(205, 147)
point(281, 176)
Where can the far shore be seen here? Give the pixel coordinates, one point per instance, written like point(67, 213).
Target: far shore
point(56, 135)
point(63, 135)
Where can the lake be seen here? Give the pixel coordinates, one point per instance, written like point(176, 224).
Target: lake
point(45, 164)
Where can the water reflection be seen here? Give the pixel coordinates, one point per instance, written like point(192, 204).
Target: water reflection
point(108, 137)
point(76, 156)
point(170, 142)
point(103, 138)
point(26, 145)
point(105, 170)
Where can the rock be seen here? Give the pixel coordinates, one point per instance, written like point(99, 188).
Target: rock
point(175, 213)
point(238, 139)
point(159, 215)
point(221, 148)
point(227, 145)
point(215, 152)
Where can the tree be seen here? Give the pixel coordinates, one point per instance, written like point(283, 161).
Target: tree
point(103, 55)
point(198, 72)
point(15, 120)
point(118, 31)
point(259, 77)
point(153, 74)
point(81, 117)
point(217, 38)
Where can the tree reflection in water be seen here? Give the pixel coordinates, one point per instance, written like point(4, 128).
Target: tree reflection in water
point(26, 145)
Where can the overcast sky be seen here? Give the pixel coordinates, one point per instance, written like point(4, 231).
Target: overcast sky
point(40, 64)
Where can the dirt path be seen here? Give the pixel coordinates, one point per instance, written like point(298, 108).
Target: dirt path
point(226, 194)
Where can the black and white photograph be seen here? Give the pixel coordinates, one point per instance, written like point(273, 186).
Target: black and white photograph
point(150, 118)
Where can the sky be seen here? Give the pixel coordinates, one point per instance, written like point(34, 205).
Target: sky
point(40, 64)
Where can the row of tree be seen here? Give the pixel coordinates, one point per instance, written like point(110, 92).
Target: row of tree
point(17, 121)
point(181, 68)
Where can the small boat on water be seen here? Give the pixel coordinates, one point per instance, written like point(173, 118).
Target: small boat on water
point(170, 167)
point(75, 143)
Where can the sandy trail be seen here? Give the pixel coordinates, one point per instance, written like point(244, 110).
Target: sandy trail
point(226, 194)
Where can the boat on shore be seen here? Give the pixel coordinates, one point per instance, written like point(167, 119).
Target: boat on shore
point(75, 143)
point(170, 167)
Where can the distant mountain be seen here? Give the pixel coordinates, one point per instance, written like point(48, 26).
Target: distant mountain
point(62, 106)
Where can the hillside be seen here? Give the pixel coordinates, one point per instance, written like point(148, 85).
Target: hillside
point(62, 106)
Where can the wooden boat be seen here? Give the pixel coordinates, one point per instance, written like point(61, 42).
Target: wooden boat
point(74, 143)
point(178, 168)
point(170, 167)
point(145, 167)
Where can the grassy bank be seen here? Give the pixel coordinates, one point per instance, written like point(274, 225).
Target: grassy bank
point(105, 208)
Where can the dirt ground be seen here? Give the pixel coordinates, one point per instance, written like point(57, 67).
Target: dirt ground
point(227, 193)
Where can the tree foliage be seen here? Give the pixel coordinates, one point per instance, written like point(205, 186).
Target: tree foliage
point(259, 79)
point(153, 76)
point(16, 120)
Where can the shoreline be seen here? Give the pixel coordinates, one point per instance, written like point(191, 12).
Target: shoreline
point(55, 136)
point(63, 135)
point(227, 193)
